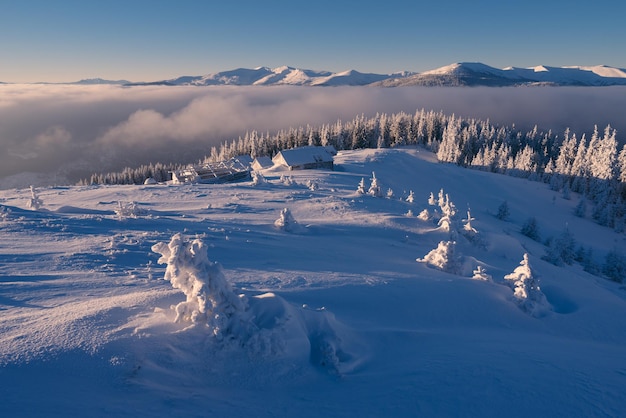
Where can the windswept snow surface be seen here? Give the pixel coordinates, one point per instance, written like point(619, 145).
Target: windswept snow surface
point(340, 319)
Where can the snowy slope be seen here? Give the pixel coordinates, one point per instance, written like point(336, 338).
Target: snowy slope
point(341, 319)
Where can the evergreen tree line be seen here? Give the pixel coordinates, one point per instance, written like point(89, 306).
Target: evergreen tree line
point(594, 167)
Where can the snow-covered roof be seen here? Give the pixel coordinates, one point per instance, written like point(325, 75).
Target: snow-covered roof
point(305, 155)
point(262, 162)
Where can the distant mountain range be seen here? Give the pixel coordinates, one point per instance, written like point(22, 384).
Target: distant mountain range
point(264, 76)
point(459, 74)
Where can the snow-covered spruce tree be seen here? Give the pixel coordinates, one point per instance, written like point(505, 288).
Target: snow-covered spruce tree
point(210, 300)
point(503, 211)
point(561, 250)
point(581, 208)
point(531, 229)
point(448, 221)
point(374, 189)
point(286, 221)
point(411, 197)
point(526, 290)
point(443, 257)
point(615, 266)
point(34, 202)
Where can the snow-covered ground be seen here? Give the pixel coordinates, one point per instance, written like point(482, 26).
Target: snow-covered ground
point(319, 310)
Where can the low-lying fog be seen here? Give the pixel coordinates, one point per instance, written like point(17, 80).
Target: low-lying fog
point(76, 130)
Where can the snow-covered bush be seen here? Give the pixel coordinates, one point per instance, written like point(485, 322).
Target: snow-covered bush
point(286, 180)
point(287, 222)
point(443, 257)
point(424, 215)
point(258, 178)
point(34, 202)
point(312, 185)
point(210, 300)
point(5, 213)
point(389, 193)
point(409, 213)
point(374, 189)
point(526, 290)
point(481, 274)
point(128, 210)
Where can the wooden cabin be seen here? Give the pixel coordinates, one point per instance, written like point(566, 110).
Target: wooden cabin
point(208, 173)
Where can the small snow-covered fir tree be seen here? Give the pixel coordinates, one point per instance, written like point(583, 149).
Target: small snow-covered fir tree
point(390, 193)
point(443, 257)
point(431, 200)
point(526, 290)
point(411, 197)
point(34, 202)
point(374, 189)
point(503, 211)
point(468, 228)
point(210, 300)
point(581, 208)
point(361, 187)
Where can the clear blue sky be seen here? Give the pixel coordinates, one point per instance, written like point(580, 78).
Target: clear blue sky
point(141, 40)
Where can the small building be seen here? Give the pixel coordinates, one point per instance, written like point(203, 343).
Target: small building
point(245, 160)
point(208, 173)
point(304, 158)
point(260, 163)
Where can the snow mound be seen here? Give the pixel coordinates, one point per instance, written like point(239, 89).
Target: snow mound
point(264, 325)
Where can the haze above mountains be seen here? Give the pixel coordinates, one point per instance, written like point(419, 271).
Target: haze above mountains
point(458, 74)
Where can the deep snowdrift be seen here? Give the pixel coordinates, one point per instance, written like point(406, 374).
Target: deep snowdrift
point(245, 318)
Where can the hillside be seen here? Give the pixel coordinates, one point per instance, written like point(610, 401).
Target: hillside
point(330, 315)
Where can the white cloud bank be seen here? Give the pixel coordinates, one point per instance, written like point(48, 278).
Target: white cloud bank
point(74, 130)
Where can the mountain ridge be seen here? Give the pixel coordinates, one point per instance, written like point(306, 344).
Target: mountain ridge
point(456, 74)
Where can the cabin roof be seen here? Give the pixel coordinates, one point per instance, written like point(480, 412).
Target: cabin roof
point(305, 155)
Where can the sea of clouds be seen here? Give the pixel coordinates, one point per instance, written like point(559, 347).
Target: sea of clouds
point(66, 132)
